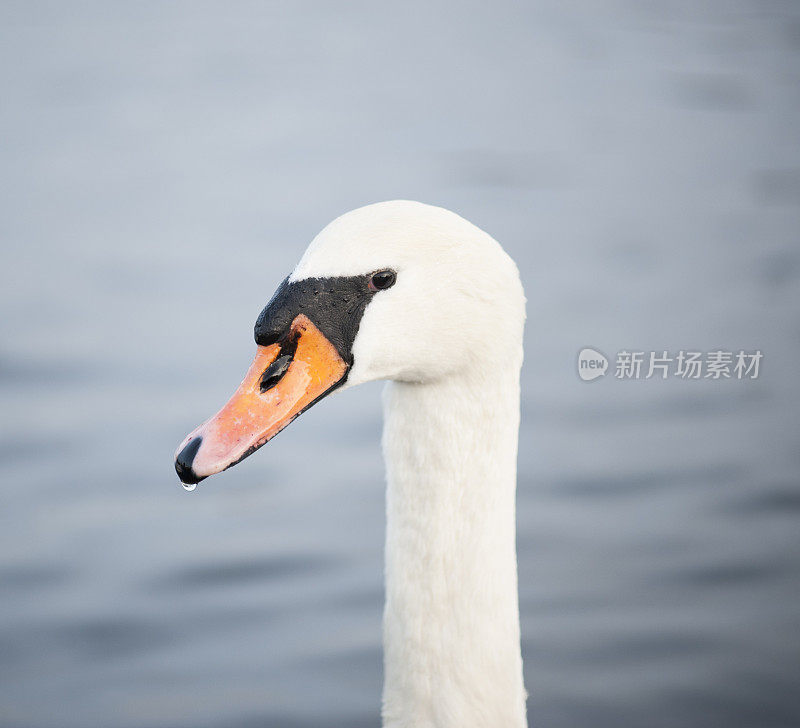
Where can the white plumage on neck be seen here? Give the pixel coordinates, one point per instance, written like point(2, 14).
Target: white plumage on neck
point(451, 623)
point(448, 336)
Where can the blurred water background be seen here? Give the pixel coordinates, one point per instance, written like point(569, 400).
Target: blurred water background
point(163, 167)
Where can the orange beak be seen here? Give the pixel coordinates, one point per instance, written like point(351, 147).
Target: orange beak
point(283, 380)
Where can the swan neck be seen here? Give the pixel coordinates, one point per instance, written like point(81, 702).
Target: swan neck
point(451, 621)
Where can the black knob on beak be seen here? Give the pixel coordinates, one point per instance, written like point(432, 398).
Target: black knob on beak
point(183, 463)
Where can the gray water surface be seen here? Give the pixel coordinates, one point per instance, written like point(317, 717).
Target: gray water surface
point(163, 167)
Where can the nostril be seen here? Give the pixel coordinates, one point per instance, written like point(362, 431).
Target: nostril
point(183, 463)
point(275, 371)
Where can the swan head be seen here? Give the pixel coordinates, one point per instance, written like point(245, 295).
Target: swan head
point(396, 290)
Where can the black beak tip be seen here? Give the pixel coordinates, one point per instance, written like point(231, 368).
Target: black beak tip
point(184, 460)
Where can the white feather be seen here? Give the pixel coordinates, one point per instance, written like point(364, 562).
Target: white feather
point(448, 336)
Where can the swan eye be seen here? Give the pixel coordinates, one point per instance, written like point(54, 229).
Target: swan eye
point(382, 280)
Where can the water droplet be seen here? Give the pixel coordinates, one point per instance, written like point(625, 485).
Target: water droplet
point(189, 486)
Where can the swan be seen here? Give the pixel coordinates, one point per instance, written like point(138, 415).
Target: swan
point(416, 295)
